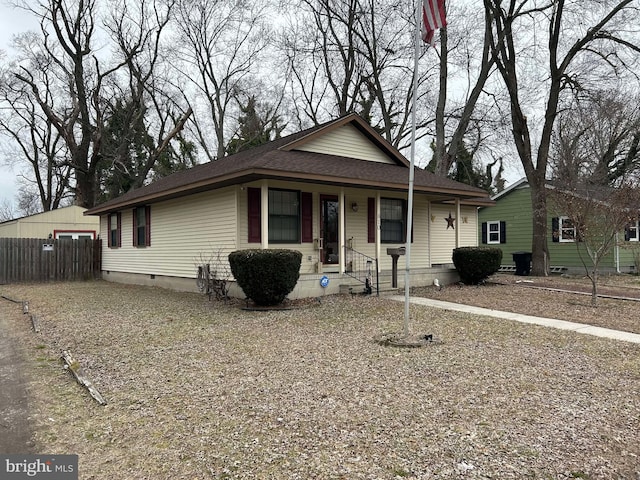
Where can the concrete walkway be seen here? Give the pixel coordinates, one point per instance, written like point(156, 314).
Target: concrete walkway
point(517, 317)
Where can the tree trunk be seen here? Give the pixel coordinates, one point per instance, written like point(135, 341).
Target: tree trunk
point(443, 161)
point(539, 247)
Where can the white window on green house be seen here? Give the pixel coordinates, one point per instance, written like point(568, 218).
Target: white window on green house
point(494, 232)
point(632, 232)
point(567, 230)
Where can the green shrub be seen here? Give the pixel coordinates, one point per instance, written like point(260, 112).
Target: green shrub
point(266, 276)
point(474, 264)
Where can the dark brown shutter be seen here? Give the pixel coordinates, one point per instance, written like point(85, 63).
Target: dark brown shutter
point(254, 210)
point(371, 220)
point(306, 207)
point(484, 232)
point(555, 229)
point(503, 232)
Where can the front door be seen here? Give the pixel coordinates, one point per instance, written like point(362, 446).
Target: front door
point(329, 229)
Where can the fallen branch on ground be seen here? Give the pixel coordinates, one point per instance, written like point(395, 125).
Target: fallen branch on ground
point(74, 367)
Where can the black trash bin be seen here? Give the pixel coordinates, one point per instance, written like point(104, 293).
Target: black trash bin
point(523, 262)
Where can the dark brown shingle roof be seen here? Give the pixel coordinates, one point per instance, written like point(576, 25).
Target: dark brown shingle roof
point(277, 160)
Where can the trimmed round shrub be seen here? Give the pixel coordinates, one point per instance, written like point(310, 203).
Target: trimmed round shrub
point(266, 276)
point(475, 264)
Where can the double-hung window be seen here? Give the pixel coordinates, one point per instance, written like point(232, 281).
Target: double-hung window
point(632, 232)
point(567, 230)
point(393, 214)
point(114, 228)
point(493, 232)
point(142, 226)
point(284, 216)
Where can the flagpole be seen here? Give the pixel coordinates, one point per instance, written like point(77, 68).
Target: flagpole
point(412, 155)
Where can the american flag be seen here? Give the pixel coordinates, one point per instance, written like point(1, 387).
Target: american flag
point(433, 17)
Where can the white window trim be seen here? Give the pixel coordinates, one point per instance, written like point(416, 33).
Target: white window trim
point(560, 230)
point(489, 232)
point(635, 227)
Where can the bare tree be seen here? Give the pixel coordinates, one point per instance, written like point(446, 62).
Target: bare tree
point(595, 214)
point(576, 49)
point(86, 82)
point(476, 69)
point(597, 138)
point(220, 47)
point(7, 211)
point(356, 56)
point(31, 137)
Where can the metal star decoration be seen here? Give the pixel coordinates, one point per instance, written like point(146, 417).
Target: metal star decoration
point(450, 222)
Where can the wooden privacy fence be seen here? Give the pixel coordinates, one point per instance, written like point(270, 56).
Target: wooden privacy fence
point(44, 260)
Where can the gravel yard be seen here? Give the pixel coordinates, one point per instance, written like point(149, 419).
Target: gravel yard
point(201, 390)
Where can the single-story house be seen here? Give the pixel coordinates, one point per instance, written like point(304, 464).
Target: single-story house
point(508, 226)
point(61, 223)
point(337, 193)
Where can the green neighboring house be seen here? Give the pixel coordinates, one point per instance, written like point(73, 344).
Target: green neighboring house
point(508, 225)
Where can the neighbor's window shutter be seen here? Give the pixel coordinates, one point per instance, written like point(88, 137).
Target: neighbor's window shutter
point(371, 220)
point(306, 207)
point(503, 232)
point(555, 229)
point(484, 232)
point(627, 233)
point(254, 196)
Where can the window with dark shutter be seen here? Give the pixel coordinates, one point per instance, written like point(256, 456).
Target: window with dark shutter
point(142, 226)
point(254, 215)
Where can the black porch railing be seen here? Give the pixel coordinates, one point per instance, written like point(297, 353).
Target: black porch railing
point(363, 268)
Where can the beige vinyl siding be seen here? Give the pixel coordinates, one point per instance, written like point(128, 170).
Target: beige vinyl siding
point(42, 224)
point(346, 141)
point(468, 226)
point(443, 239)
point(10, 229)
point(184, 232)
